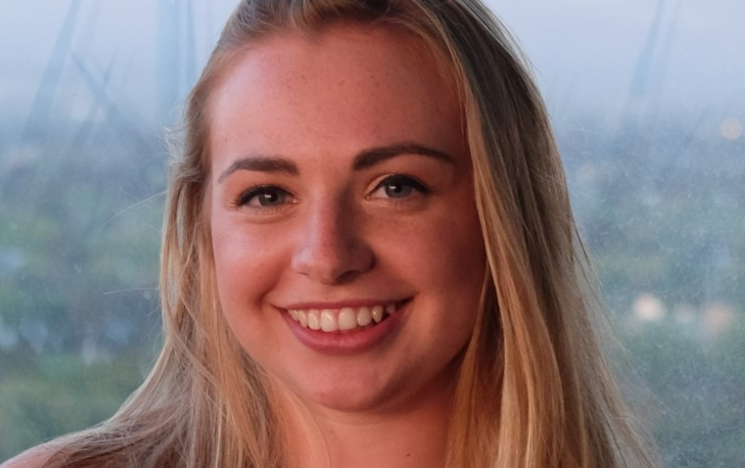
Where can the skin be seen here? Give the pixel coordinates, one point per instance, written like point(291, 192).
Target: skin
point(299, 118)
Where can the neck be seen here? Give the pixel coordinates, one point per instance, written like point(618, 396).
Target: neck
point(407, 435)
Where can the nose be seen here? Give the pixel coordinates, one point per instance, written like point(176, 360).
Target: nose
point(331, 248)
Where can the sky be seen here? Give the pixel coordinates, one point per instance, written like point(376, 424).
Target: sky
point(587, 51)
point(682, 57)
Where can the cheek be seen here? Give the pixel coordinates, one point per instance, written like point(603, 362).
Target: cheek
point(454, 249)
point(244, 275)
point(243, 272)
point(446, 262)
point(461, 266)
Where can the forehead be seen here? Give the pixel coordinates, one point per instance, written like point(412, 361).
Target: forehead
point(370, 83)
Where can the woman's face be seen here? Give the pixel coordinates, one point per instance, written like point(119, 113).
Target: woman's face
point(347, 246)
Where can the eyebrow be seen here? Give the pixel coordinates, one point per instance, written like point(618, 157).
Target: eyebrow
point(373, 156)
point(363, 160)
point(270, 164)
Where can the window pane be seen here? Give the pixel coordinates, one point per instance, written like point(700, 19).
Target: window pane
point(648, 106)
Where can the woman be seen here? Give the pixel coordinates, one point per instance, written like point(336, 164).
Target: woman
point(369, 259)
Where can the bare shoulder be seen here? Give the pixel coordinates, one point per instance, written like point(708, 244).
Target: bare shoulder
point(35, 457)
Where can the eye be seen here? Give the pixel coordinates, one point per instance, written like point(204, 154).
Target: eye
point(263, 196)
point(399, 186)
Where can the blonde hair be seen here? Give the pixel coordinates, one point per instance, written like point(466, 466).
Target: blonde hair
point(534, 389)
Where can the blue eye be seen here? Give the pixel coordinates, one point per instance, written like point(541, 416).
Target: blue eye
point(400, 186)
point(264, 196)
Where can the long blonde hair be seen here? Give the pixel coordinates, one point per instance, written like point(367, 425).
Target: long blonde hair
point(534, 389)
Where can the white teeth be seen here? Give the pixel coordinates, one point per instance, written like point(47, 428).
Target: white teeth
point(364, 318)
point(377, 313)
point(314, 321)
point(328, 321)
point(344, 319)
point(347, 319)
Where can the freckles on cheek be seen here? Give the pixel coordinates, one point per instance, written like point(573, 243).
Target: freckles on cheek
point(228, 250)
point(463, 255)
point(245, 260)
point(221, 243)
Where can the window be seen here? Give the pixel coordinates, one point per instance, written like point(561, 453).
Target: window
point(648, 106)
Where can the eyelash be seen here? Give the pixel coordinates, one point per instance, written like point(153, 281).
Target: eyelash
point(254, 193)
point(395, 182)
point(399, 180)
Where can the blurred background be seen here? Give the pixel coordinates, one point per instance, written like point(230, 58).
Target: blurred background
point(648, 102)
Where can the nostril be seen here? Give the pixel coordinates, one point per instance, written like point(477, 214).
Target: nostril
point(334, 272)
point(348, 276)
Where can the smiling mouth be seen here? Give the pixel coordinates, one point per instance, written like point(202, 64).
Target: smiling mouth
point(344, 319)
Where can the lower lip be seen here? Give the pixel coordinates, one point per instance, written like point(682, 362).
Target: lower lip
point(348, 342)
